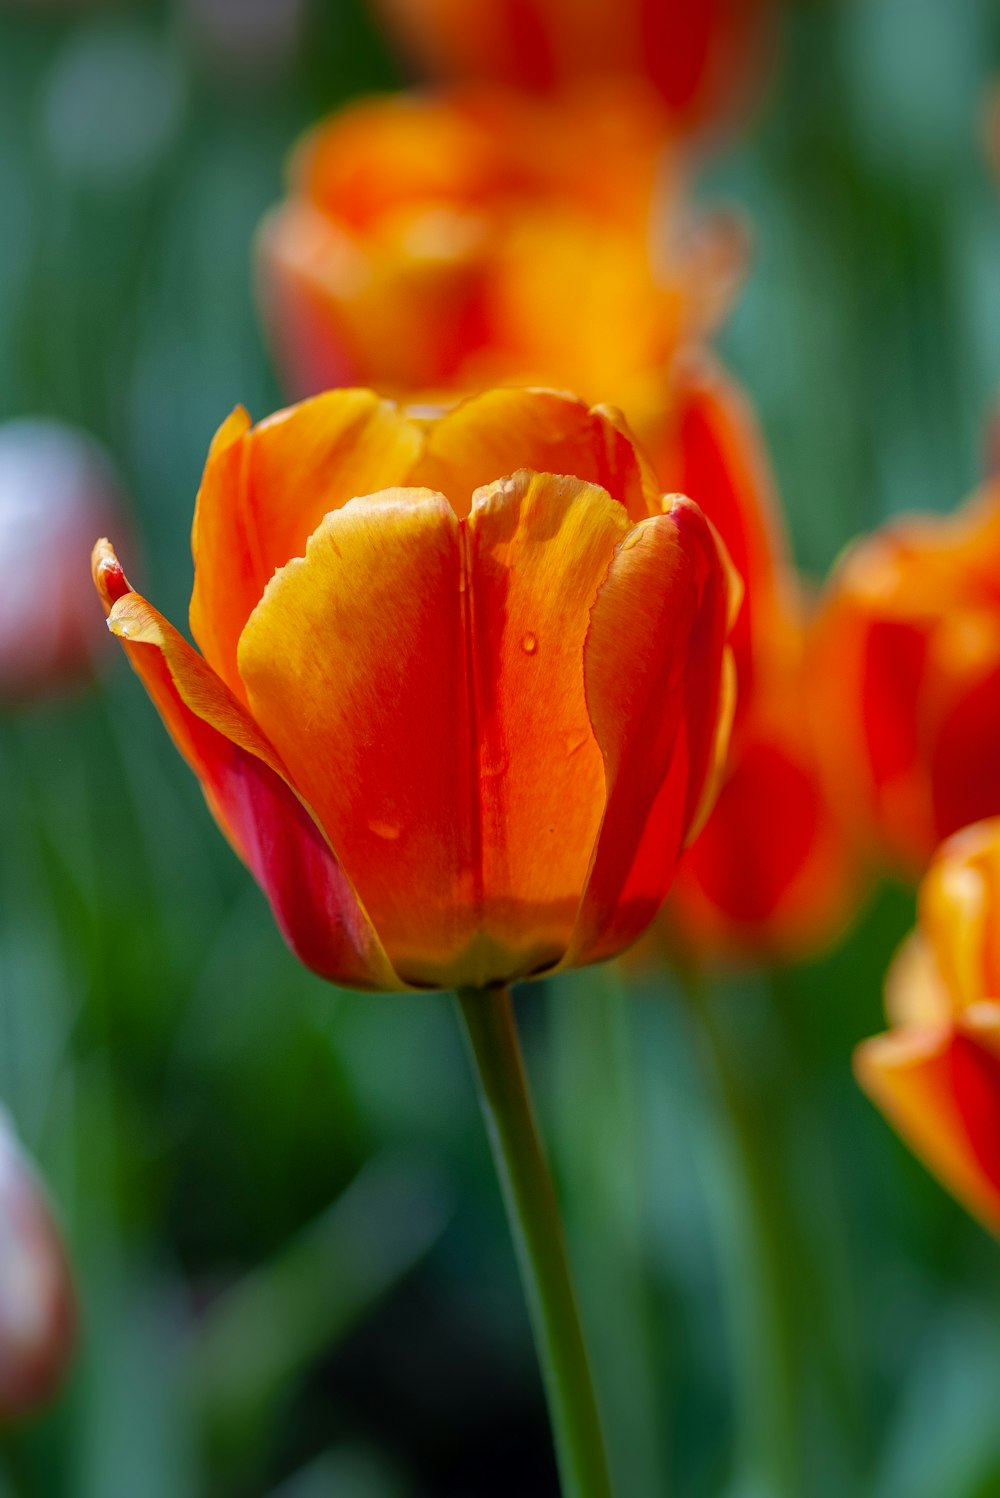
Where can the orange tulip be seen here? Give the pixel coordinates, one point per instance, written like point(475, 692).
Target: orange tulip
point(704, 57)
point(38, 1314)
point(936, 1073)
point(449, 243)
point(459, 740)
point(906, 665)
point(774, 873)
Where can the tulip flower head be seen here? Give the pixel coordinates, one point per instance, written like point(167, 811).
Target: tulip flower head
point(462, 680)
point(38, 1315)
point(936, 1073)
point(906, 667)
point(449, 243)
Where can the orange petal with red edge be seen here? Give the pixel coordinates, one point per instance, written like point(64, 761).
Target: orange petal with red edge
point(354, 665)
point(940, 1089)
point(246, 788)
point(653, 664)
point(539, 549)
point(266, 489)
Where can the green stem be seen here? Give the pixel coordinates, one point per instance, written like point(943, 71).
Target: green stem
point(766, 1271)
point(536, 1228)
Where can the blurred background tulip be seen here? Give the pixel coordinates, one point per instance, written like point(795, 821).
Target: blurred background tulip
point(433, 245)
point(775, 874)
point(906, 675)
point(38, 1313)
point(936, 1074)
point(705, 58)
point(56, 486)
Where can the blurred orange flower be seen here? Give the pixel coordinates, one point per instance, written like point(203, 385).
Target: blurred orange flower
point(435, 245)
point(774, 873)
point(38, 1311)
point(906, 669)
point(461, 727)
point(704, 57)
point(936, 1074)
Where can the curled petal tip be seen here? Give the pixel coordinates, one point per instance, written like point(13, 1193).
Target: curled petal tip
point(109, 579)
point(676, 505)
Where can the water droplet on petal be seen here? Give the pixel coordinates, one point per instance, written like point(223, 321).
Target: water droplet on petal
point(529, 644)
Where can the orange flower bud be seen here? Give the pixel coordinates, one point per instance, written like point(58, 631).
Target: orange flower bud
point(936, 1074)
point(906, 668)
point(458, 727)
point(56, 490)
point(704, 57)
point(449, 243)
point(37, 1304)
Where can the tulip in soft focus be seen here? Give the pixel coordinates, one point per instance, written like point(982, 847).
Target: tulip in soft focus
point(56, 489)
point(906, 672)
point(705, 58)
point(436, 245)
point(459, 727)
point(774, 873)
point(38, 1316)
point(936, 1073)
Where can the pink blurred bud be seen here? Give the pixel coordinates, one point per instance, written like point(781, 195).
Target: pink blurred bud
point(57, 491)
point(38, 1312)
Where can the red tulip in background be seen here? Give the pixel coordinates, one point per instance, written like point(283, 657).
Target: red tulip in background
point(936, 1073)
point(705, 58)
point(462, 732)
point(906, 669)
point(774, 874)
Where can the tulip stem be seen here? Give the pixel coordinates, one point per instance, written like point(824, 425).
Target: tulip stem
point(536, 1227)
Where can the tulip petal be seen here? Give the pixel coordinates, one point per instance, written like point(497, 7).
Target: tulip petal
point(246, 788)
point(539, 548)
point(264, 492)
point(504, 430)
point(442, 732)
point(653, 668)
point(354, 666)
point(916, 994)
point(939, 1087)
